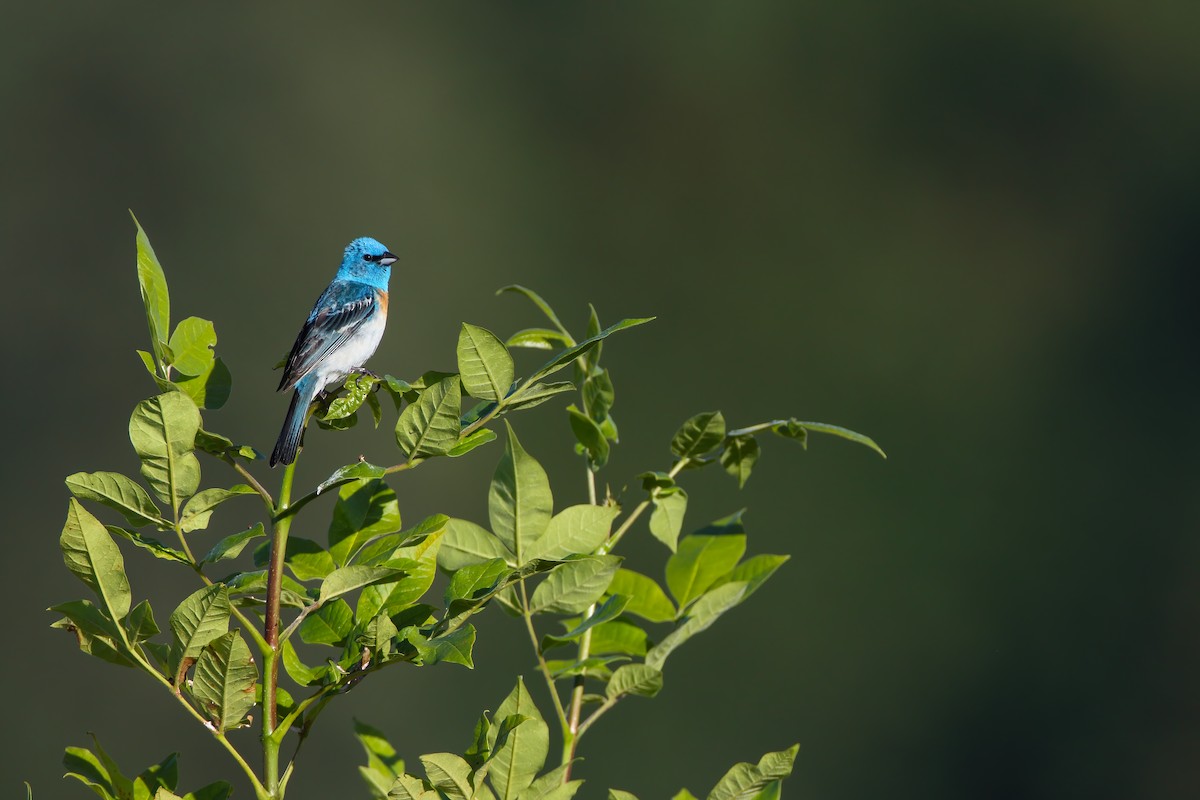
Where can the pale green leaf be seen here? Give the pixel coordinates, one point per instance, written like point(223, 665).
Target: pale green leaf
point(346, 579)
point(430, 426)
point(163, 432)
point(638, 679)
point(223, 682)
point(232, 546)
point(466, 543)
point(519, 502)
point(117, 492)
point(155, 298)
point(192, 346)
point(198, 510)
point(666, 520)
point(610, 609)
point(575, 530)
point(700, 616)
point(91, 554)
point(200, 619)
point(574, 585)
point(364, 509)
point(744, 781)
point(484, 363)
point(646, 597)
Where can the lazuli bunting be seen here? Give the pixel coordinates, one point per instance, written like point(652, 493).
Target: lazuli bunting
point(341, 333)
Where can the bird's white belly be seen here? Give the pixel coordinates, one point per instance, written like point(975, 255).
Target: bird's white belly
point(353, 353)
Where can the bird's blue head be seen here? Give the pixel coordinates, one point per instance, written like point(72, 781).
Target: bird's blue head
point(367, 261)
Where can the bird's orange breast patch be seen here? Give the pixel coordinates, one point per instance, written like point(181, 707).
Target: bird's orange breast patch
point(382, 297)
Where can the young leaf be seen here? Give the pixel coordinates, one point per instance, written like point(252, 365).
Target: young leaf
point(305, 558)
point(330, 624)
point(430, 426)
point(536, 394)
point(351, 472)
point(739, 456)
point(96, 634)
point(358, 389)
point(610, 609)
point(539, 339)
point(192, 346)
point(754, 571)
point(210, 389)
point(117, 492)
point(619, 636)
point(198, 510)
point(620, 794)
point(666, 520)
point(747, 780)
point(472, 440)
point(575, 530)
point(163, 432)
point(392, 596)
point(541, 304)
point(296, 669)
point(700, 435)
point(155, 297)
point(154, 546)
point(364, 509)
point(484, 363)
point(520, 757)
point(700, 616)
point(347, 579)
point(88, 769)
point(589, 435)
point(94, 557)
point(646, 597)
point(449, 774)
point(200, 619)
point(453, 648)
point(703, 559)
point(383, 763)
point(519, 501)
point(845, 433)
point(570, 354)
point(636, 679)
point(232, 546)
point(140, 623)
point(223, 683)
point(574, 585)
point(466, 543)
point(476, 580)
point(550, 786)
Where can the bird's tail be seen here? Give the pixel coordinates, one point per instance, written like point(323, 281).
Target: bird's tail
point(293, 426)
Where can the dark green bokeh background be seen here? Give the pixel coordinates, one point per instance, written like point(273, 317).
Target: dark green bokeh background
point(967, 229)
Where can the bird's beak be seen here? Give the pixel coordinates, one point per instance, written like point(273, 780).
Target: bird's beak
point(387, 259)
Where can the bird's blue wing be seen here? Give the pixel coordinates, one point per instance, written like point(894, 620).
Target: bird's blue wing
point(340, 311)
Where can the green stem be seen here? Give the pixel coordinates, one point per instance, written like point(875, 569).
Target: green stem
point(637, 512)
point(559, 711)
point(282, 525)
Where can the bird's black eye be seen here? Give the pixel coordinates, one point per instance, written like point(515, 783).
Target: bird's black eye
point(368, 257)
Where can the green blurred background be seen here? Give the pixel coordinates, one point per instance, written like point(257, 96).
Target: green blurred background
point(966, 229)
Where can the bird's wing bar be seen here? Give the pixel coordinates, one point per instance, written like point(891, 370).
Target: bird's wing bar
point(336, 319)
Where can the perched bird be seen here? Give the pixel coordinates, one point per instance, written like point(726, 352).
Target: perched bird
point(341, 333)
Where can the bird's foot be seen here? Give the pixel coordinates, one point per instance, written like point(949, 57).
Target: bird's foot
point(367, 372)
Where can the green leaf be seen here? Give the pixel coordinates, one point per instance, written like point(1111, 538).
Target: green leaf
point(385, 548)
point(89, 552)
point(700, 616)
point(351, 472)
point(610, 609)
point(787, 430)
point(200, 619)
point(392, 596)
point(701, 561)
point(598, 396)
point(550, 786)
point(218, 790)
point(646, 597)
point(430, 426)
point(666, 520)
point(570, 354)
point(449, 774)
point(619, 636)
point(539, 339)
point(466, 543)
point(484, 363)
point(117, 492)
point(232, 546)
point(536, 394)
point(223, 683)
point(754, 571)
point(346, 579)
point(453, 648)
point(94, 631)
point(163, 432)
point(210, 389)
point(377, 635)
point(192, 346)
point(476, 580)
point(700, 435)
point(619, 794)
point(305, 558)
point(154, 546)
point(357, 389)
point(684, 794)
point(383, 763)
point(516, 762)
point(88, 769)
point(220, 445)
point(744, 780)
point(575, 530)
point(574, 585)
point(519, 502)
point(472, 440)
point(739, 456)
point(296, 669)
point(330, 624)
point(155, 297)
point(364, 509)
point(140, 623)
point(198, 510)
point(540, 303)
point(636, 679)
point(291, 594)
point(589, 435)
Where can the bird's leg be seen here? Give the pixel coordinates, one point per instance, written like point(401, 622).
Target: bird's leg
point(365, 371)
